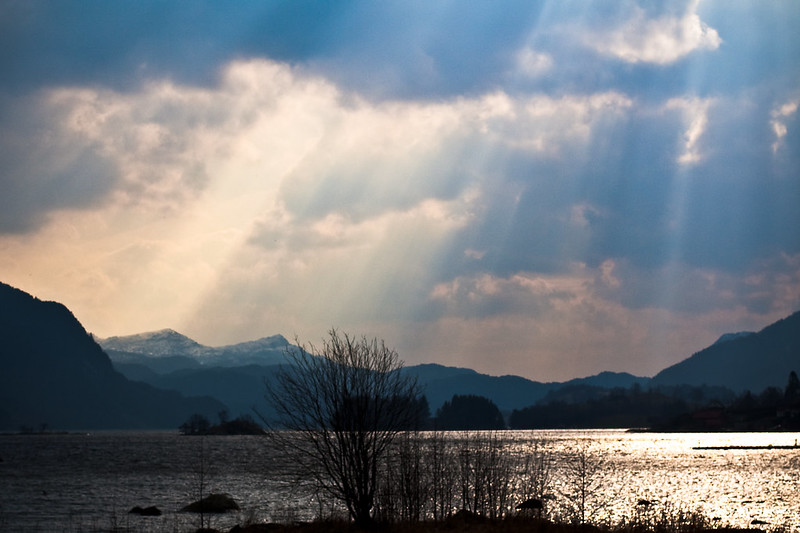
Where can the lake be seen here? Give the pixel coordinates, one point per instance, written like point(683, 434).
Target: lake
point(88, 482)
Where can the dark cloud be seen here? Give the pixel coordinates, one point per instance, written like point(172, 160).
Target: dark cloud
point(376, 48)
point(613, 201)
point(741, 201)
point(736, 205)
point(386, 49)
point(42, 170)
point(120, 45)
point(629, 198)
point(768, 286)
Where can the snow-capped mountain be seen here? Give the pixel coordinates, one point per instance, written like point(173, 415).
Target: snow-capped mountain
point(161, 343)
point(733, 336)
point(168, 350)
point(53, 373)
point(274, 342)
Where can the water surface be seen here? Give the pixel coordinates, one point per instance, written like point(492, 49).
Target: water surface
point(88, 482)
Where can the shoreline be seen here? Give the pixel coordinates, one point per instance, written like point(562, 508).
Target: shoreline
point(750, 447)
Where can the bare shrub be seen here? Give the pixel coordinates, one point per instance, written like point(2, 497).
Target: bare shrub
point(486, 473)
point(652, 517)
point(580, 481)
point(404, 492)
point(534, 475)
point(440, 475)
point(428, 476)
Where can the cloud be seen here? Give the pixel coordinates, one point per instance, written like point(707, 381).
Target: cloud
point(43, 168)
point(550, 188)
point(550, 126)
point(695, 112)
point(780, 116)
point(383, 50)
point(161, 147)
point(560, 327)
point(487, 295)
point(661, 40)
point(768, 288)
point(614, 316)
point(289, 167)
point(532, 63)
point(552, 180)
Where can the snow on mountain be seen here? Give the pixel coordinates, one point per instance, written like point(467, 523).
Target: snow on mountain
point(168, 344)
point(161, 343)
point(732, 336)
point(275, 342)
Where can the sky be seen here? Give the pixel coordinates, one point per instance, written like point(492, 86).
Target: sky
point(548, 189)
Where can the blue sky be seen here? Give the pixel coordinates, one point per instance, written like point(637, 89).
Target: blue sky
point(549, 189)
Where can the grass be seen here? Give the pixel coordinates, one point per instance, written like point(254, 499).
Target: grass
point(516, 524)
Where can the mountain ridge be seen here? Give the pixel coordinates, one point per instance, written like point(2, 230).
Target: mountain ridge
point(751, 362)
point(72, 363)
point(55, 375)
point(725, 337)
point(154, 343)
point(178, 369)
point(167, 343)
point(439, 382)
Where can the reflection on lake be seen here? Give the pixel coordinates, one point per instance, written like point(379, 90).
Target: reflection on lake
point(89, 482)
point(737, 486)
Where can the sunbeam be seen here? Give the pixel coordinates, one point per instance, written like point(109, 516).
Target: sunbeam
point(546, 189)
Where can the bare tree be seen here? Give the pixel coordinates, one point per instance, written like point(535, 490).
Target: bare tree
point(338, 410)
point(441, 470)
point(582, 471)
point(535, 475)
point(486, 472)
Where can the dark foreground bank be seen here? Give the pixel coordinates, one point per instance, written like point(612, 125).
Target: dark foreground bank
point(470, 523)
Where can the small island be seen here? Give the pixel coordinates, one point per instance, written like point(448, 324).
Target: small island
point(198, 424)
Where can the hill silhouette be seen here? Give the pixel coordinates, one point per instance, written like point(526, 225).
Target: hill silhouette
point(169, 360)
point(751, 361)
point(55, 373)
point(235, 374)
point(55, 376)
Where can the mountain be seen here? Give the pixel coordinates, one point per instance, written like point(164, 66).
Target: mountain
point(235, 374)
point(440, 383)
point(55, 375)
point(156, 344)
point(752, 361)
point(610, 380)
point(232, 374)
point(240, 388)
point(731, 336)
point(167, 350)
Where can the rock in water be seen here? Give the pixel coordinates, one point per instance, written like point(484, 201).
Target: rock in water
point(146, 511)
point(213, 503)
